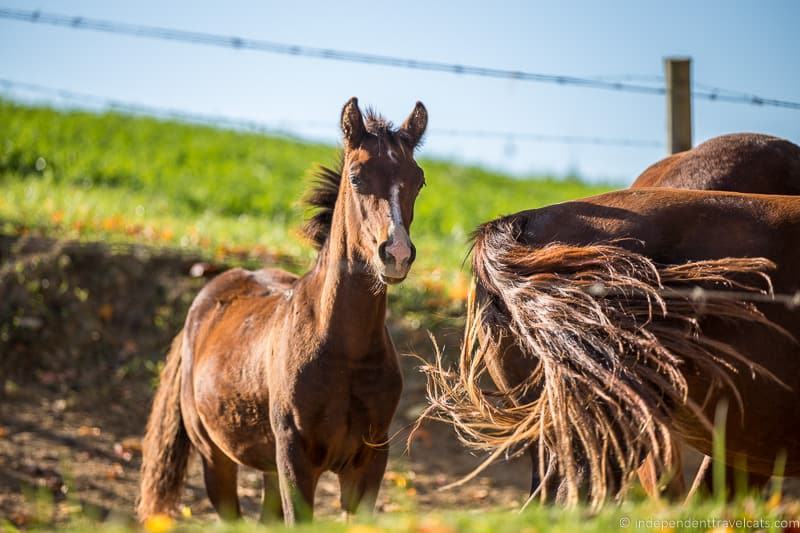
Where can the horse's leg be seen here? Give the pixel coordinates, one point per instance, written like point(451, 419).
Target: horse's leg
point(546, 482)
point(676, 487)
point(220, 475)
point(296, 474)
point(361, 485)
point(271, 499)
point(650, 478)
point(536, 480)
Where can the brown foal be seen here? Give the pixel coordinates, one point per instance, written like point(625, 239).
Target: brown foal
point(292, 375)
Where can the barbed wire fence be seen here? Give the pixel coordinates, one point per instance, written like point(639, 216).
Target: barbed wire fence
point(630, 83)
point(260, 45)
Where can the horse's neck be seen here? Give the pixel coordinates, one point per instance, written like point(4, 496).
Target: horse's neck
point(351, 311)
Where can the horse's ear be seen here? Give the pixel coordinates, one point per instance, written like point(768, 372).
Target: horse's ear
point(414, 126)
point(352, 123)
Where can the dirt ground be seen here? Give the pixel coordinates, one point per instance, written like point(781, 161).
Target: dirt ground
point(87, 452)
point(79, 352)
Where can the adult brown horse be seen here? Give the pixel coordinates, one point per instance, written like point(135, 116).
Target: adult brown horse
point(297, 376)
point(595, 297)
point(739, 162)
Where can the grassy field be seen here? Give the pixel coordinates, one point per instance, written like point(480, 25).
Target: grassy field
point(116, 177)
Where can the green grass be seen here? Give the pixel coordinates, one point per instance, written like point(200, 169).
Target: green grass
point(746, 514)
point(703, 513)
point(116, 177)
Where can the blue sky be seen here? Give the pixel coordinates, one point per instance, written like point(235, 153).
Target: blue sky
point(747, 46)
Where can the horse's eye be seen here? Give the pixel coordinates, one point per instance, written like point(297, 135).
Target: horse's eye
point(422, 183)
point(355, 179)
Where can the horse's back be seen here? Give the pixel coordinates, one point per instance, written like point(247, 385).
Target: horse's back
point(236, 290)
point(241, 283)
point(740, 162)
point(713, 223)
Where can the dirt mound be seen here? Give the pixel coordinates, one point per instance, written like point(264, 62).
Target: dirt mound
point(74, 314)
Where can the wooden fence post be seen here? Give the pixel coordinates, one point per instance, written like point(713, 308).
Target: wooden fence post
point(678, 77)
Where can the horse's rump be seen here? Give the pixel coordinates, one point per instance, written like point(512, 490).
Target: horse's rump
point(741, 162)
point(611, 335)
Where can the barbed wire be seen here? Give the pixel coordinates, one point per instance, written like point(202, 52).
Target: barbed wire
point(281, 127)
point(713, 91)
point(243, 43)
point(700, 294)
point(541, 137)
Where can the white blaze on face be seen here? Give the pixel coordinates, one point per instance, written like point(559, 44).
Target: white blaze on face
point(400, 247)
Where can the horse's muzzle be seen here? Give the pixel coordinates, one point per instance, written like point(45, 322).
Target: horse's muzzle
point(396, 257)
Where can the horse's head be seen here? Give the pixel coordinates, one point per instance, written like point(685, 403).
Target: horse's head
point(380, 183)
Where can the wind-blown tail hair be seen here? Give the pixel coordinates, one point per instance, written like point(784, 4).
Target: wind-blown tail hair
point(610, 335)
point(166, 446)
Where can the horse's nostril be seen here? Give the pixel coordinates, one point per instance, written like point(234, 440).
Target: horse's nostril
point(397, 254)
point(382, 251)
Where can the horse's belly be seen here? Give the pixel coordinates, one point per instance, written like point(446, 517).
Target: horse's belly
point(246, 437)
point(243, 433)
point(235, 416)
point(769, 426)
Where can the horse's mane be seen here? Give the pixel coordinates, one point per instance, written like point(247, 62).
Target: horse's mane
point(321, 197)
point(614, 334)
